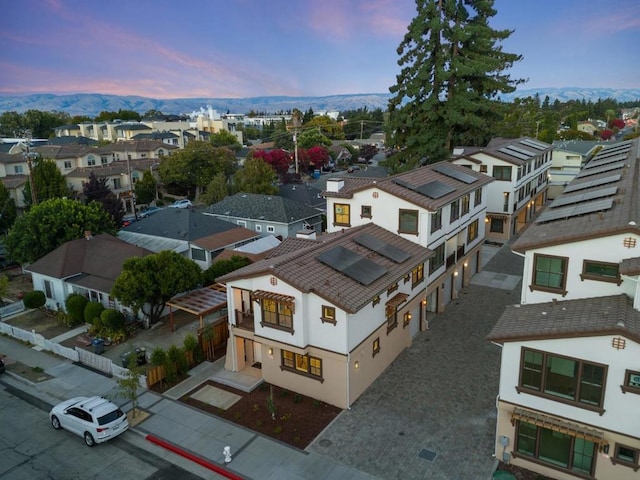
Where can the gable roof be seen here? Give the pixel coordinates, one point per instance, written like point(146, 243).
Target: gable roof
point(612, 315)
point(296, 261)
point(254, 206)
point(304, 194)
point(618, 169)
point(186, 225)
point(96, 262)
point(399, 185)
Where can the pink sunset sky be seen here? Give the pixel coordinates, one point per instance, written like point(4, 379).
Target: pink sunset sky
point(250, 48)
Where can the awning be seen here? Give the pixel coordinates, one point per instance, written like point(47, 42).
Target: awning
point(396, 300)
point(287, 300)
point(557, 425)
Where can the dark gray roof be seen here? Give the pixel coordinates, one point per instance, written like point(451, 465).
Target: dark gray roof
point(295, 261)
point(304, 194)
point(71, 140)
point(613, 315)
point(577, 146)
point(154, 136)
point(181, 224)
point(255, 206)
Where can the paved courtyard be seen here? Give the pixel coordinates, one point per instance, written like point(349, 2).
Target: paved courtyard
point(432, 414)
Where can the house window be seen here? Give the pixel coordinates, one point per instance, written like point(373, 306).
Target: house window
point(91, 161)
point(477, 200)
point(438, 258)
point(406, 319)
point(135, 177)
point(301, 364)
point(117, 184)
point(67, 164)
point(408, 221)
point(376, 346)
point(417, 275)
point(550, 273)
point(328, 314)
point(600, 271)
point(365, 211)
point(483, 169)
point(392, 318)
point(466, 200)
point(502, 173)
point(557, 449)
point(258, 228)
point(104, 160)
point(242, 223)
point(48, 291)
point(17, 169)
point(455, 210)
point(198, 254)
point(496, 225)
point(564, 379)
point(631, 382)
point(271, 229)
point(626, 456)
point(436, 220)
point(472, 231)
point(505, 205)
point(341, 214)
point(277, 314)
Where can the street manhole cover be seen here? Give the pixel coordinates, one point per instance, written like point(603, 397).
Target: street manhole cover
point(325, 443)
point(428, 455)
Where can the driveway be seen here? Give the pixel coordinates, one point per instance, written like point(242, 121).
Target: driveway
point(432, 413)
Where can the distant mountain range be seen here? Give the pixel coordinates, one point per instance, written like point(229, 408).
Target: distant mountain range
point(92, 104)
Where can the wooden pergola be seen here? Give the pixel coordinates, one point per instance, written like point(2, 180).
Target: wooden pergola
point(200, 302)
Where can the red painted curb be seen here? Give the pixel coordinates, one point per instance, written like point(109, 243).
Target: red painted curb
point(193, 458)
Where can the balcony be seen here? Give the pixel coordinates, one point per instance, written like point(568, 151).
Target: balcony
point(244, 320)
point(453, 258)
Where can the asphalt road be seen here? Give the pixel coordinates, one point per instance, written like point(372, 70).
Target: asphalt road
point(32, 450)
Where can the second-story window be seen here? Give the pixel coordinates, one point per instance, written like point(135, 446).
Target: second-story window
point(466, 200)
point(328, 314)
point(117, 185)
point(341, 214)
point(455, 210)
point(365, 211)
point(277, 314)
point(17, 169)
point(478, 197)
point(436, 220)
point(502, 173)
point(408, 221)
point(550, 273)
point(438, 258)
point(417, 275)
point(91, 161)
point(67, 164)
point(472, 231)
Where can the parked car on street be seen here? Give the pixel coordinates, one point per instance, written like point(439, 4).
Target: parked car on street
point(353, 168)
point(184, 203)
point(96, 419)
point(150, 211)
point(128, 220)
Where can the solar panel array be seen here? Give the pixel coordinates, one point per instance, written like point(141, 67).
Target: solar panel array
point(598, 162)
point(432, 190)
point(383, 248)
point(354, 266)
point(514, 153)
point(574, 187)
point(534, 143)
point(582, 197)
point(575, 210)
point(522, 150)
point(451, 172)
point(610, 153)
point(601, 169)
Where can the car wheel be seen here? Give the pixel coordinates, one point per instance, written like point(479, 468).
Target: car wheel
point(88, 439)
point(55, 423)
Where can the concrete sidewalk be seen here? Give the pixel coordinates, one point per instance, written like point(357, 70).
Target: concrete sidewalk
point(195, 432)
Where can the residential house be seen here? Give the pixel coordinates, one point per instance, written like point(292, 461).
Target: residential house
point(570, 370)
point(88, 266)
point(197, 236)
point(305, 194)
point(521, 170)
point(326, 317)
point(587, 127)
point(567, 159)
point(267, 214)
point(440, 206)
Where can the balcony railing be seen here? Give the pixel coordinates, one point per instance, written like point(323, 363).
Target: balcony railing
point(244, 320)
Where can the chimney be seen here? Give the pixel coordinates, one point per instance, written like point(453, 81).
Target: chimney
point(308, 233)
point(335, 184)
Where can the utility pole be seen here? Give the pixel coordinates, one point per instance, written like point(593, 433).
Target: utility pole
point(295, 143)
point(133, 195)
point(28, 155)
point(361, 128)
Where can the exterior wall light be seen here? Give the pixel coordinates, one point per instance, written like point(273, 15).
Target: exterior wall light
point(356, 365)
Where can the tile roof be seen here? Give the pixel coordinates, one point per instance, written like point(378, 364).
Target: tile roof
point(184, 224)
point(14, 181)
point(96, 262)
point(612, 315)
point(255, 206)
point(117, 167)
point(630, 266)
point(300, 267)
point(622, 217)
point(417, 177)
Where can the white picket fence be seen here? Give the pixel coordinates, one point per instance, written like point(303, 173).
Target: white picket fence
point(90, 359)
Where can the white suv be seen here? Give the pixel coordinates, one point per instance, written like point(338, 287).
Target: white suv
point(95, 419)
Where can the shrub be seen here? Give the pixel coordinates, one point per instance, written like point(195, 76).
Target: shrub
point(34, 299)
point(75, 304)
point(158, 357)
point(297, 398)
point(277, 430)
point(92, 311)
point(112, 319)
point(191, 344)
point(179, 359)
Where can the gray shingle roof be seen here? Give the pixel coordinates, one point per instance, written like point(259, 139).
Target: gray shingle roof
point(255, 206)
point(612, 315)
point(301, 268)
point(622, 217)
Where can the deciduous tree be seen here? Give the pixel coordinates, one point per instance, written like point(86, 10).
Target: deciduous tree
point(7, 209)
point(225, 138)
point(147, 283)
point(51, 223)
point(256, 176)
point(452, 69)
point(48, 182)
point(97, 190)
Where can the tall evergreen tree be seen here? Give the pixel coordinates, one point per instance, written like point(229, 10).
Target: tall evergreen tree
point(452, 70)
point(47, 182)
point(96, 189)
